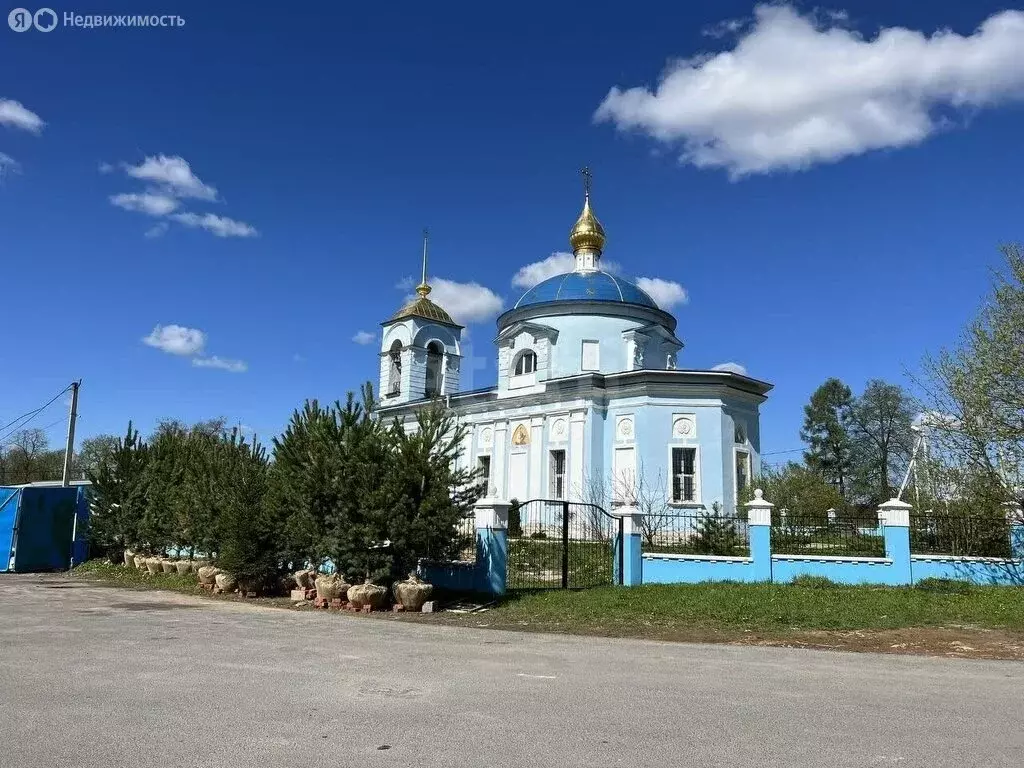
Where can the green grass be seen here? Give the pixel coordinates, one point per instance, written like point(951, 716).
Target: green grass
point(762, 607)
point(119, 575)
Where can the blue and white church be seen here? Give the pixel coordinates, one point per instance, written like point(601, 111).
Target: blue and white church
point(592, 402)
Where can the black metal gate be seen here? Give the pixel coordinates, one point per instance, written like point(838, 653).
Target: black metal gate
point(555, 544)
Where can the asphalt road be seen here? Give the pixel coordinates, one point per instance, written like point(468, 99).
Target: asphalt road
point(95, 677)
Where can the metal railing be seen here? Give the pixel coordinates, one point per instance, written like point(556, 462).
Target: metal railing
point(466, 533)
point(859, 536)
point(696, 532)
point(963, 535)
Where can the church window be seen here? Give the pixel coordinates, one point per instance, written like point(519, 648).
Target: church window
point(483, 468)
point(742, 473)
point(395, 372)
point(527, 363)
point(684, 475)
point(556, 475)
point(591, 360)
point(435, 356)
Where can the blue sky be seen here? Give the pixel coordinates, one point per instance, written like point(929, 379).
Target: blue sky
point(829, 202)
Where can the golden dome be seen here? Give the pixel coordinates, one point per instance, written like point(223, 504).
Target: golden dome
point(587, 233)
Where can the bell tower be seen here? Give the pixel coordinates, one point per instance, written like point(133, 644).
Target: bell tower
point(420, 356)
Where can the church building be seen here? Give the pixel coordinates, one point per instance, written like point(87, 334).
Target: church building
point(592, 402)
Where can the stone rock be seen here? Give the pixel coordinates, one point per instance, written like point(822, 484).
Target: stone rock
point(168, 566)
point(305, 579)
point(129, 558)
point(183, 567)
point(412, 593)
point(366, 595)
point(298, 594)
point(429, 607)
point(208, 574)
point(226, 582)
point(197, 564)
point(140, 562)
point(331, 587)
point(153, 565)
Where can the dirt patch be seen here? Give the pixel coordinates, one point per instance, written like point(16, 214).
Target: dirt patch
point(947, 642)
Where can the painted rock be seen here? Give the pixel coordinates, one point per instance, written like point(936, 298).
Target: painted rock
point(306, 578)
point(183, 567)
point(226, 582)
point(153, 565)
point(328, 586)
point(140, 562)
point(365, 594)
point(413, 592)
point(208, 574)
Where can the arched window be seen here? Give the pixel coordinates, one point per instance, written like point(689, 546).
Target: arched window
point(527, 363)
point(435, 358)
point(395, 374)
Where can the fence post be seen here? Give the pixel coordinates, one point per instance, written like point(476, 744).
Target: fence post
point(894, 515)
point(1015, 518)
point(629, 556)
point(759, 521)
point(492, 545)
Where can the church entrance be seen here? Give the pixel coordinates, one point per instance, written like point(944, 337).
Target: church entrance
point(555, 544)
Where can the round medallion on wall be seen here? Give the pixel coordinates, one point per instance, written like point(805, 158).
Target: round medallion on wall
point(625, 428)
point(682, 427)
point(486, 436)
point(558, 429)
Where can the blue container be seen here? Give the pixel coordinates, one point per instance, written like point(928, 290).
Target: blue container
point(42, 528)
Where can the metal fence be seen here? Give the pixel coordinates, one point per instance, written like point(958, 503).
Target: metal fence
point(696, 532)
point(818, 535)
point(964, 535)
point(466, 533)
point(559, 544)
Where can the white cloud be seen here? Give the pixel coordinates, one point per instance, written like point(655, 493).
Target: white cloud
point(174, 174)
point(666, 293)
point(176, 339)
point(152, 203)
point(798, 90)
point(730, 368)
point(223, 363)
point(465, 302)
point(557, 263)
point(539, 271)
point(105, 168)
point(8, 165)
point(364, 337)
point(14, 115)
point(221, 226)
point(157, 230)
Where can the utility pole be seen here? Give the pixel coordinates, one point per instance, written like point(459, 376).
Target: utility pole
point(69, 449)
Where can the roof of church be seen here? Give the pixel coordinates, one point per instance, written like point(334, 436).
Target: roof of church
point(593, 285)
point(423, 307)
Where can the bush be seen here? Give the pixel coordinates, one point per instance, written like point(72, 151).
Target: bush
point(945, 586)
point(813, 582)
point(515, 525)
point(537, 535)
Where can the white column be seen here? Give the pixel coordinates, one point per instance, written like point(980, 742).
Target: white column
point(536, 457)
point(576, 456)
point(499, 451)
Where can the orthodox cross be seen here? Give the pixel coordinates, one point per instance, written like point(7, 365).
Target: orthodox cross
point(585, 172)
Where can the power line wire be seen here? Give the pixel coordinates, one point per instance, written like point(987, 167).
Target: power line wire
point(28, 416)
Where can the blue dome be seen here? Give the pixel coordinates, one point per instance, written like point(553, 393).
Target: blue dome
point(586, 286)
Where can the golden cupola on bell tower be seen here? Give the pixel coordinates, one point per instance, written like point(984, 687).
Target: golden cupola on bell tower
point(587, 237)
